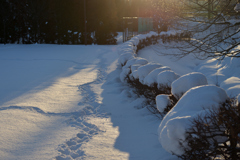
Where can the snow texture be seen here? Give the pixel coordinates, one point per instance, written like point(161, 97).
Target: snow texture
point(143, 71)
point(130, 63)
point(124, 73)
point(125, 57)
point(193, 103)
point(232, 86)
point(186, 82)
point(141, 61)
point(166, 78)
point(151, 78)
point(162, 101)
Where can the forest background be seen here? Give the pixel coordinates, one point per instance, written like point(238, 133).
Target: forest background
point(62, 21)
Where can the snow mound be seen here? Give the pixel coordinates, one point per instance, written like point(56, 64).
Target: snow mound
point(166, 78)
point(125, 57)
point(141, 61)
point(143, 71)
point(232, 86)
point(151, 78)
point(130, 63)
point(174, 124)
point(135, 67)
point(124, 73)
point(162, 102)
point(186, 82)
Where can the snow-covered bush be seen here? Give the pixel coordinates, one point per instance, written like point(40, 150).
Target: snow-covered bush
point(130, 63)
point(186, 82)
point(151, 78)
point(195, 102)
point(124, 74)
point(162, 102)
point(131, 66)
point(123, 58)
point(166, 78)
point(141, 61)
point(143, 71)
point(215, 135)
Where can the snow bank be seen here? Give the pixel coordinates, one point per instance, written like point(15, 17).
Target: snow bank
point(174, 125)
point(143, 71)
point(232, 86)
point(162, 102)
point(186, 82)
point(151, 78)
point(166, 78)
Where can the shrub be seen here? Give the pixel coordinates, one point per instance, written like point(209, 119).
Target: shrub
point(215, 135)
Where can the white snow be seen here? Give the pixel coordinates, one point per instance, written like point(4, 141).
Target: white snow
point(141, 61)
point(166, 78)
point(194, 102)
point(162, 102)
point(124, 73)
point(151, 78)
point(68, 101)
point(125, 57)
point(186, 82)
point(143, 71)
point(232, 86)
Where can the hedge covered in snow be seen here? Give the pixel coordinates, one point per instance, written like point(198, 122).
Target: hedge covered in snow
point(180, 100)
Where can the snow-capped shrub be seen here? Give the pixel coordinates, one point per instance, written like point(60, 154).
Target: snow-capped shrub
point(123, 75)
point(166, 78)
point(215, 135)
point(141, 61)
point(232, 86)
point(134, 75)
point(135, 67)
point(143, 71)
point(126, 70)
point(162, 102)
point(126, 50)
point(194, 102)
point(138, 63)
point(151, 78)
point(129, 63)
point(186, 82)
point(125, 57)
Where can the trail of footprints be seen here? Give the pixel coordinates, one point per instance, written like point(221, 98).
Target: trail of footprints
point(72, 148)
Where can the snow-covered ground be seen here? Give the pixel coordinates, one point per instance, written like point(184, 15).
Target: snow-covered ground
point(68, 102)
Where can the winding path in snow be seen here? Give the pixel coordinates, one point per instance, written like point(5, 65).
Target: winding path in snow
point(67, 102)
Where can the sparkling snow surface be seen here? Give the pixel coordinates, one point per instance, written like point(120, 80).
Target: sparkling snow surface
point(67, 102)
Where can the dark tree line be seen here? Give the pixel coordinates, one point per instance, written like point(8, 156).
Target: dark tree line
point(62, 21)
